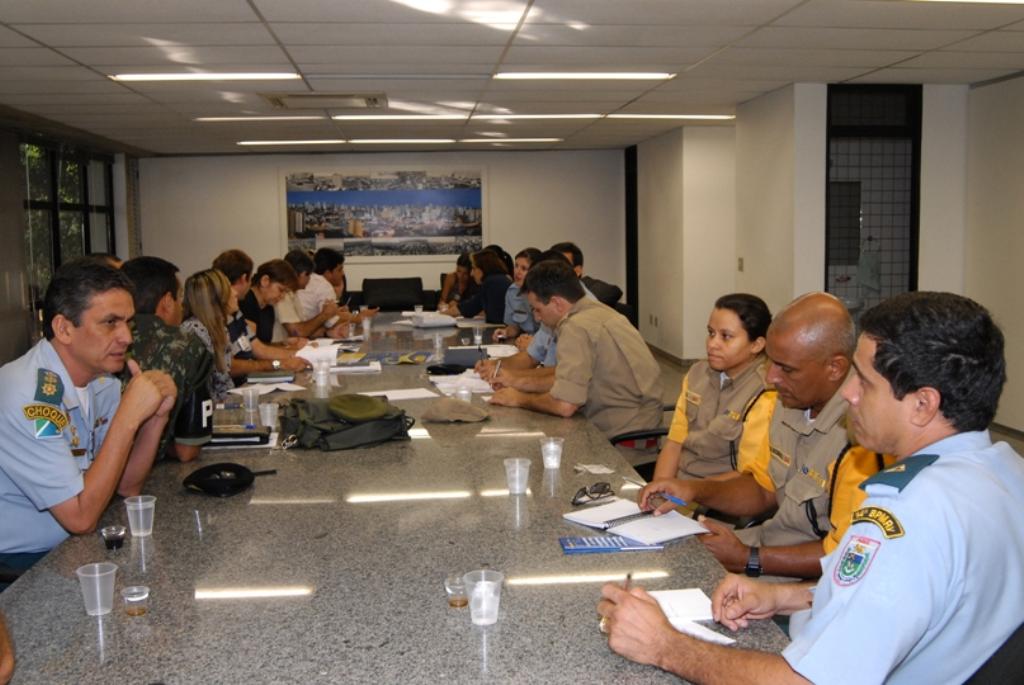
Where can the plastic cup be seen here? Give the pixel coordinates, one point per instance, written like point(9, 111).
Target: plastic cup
point(551, 451)
point(97, 581)
point(268, 414)
point(418, 308)
point(251, 398)
point(478, 335)
point(136, 600)
point(464, 394)
point(322, 371)
point(367, 326)
point(455, 588)
point(113, 536)
point(484, 589)
point(140, 514)
point(517, 473)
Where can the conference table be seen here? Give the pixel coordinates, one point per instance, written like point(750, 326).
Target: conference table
point(333, 569)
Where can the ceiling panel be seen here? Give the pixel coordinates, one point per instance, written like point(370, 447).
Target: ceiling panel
point(750, 72)
point(851, 38)
point(171, 55)
point(603, 58)
point(10, 39)
point(26, 57)
point(967, 60)
point(993, 41)
point(71, 99)
point(378, 55)
point(381, 34)
point(12, 73)
point(148, 35)
point(902, 75)
point(885, 14)
point(647, 35)
point(692, 12)
point(116, 11)
point(39, 86)
point(800, 58)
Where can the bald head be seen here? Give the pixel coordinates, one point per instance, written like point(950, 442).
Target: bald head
point(820, 322)
point(810, 344)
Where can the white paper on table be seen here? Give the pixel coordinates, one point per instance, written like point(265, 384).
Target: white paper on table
point(403, 394)
point(652, 530)
point(701, 632)
point(690, 604)
point(467, 379)
point(473, 323)
point(313, 354)
point(271, 442)
point(372, 367)
point(598, 469)
point(412, 312)
point(265, 388)
point(598, 516)
point(500, 351)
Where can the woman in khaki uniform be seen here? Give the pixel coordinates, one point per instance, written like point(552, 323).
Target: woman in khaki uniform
point(722, 397)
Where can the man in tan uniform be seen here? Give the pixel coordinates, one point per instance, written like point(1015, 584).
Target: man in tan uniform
point(808, 470)
point(604, 366)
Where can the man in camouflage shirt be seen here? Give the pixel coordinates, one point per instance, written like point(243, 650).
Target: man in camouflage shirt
point(158, 343)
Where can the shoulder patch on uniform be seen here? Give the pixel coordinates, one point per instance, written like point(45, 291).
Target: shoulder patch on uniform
point(890, 525)
point(901, 473)
point(49, 420)
point(693, 397)
point(49, 387)
point(855, 559)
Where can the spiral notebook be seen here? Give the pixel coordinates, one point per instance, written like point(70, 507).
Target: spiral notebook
point(625, 518)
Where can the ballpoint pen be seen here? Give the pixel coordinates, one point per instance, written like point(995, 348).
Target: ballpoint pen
point(671, 498)
point(629, 579)
point(497, 368)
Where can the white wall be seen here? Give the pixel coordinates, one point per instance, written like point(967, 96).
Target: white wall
point(810, 141)
point(995, 242)
point(709, 220)
point(192, 208)
point(943, 188)
point(765, 194)
point(660, 244)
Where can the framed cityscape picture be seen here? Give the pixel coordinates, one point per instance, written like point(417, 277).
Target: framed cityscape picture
point(374, 213)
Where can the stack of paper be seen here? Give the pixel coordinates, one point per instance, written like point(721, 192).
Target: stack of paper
point(684, 607)
point(403, 394)
point(624, 517)
point(313, 353)
point(467, 379)
point(371, 367)
point(265, 388)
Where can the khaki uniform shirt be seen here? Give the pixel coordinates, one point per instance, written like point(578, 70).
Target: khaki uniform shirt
point(605, 367)
point(814, 502)
point(709, 418)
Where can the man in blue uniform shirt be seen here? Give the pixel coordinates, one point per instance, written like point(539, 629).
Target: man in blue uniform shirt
point(928, 580)
point(69, 441)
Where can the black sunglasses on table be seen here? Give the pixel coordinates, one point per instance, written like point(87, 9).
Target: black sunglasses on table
point(592, 493)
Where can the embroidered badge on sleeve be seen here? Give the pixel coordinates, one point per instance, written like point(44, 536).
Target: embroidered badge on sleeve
point(49, 387)
point(855, 559)
point(890, 525)
point(48, 421)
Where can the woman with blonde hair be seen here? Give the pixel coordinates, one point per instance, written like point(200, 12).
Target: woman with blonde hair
point(209, 301)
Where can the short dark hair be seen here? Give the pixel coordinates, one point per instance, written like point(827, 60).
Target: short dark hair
point(234, 264)
point(463, 261)
point(278, 271)
point(942, 341)
point(73, 286)
point(300, 261)
point(153, 278)
point(327, 259)
point(505, 257)
point(571, 248)
point(550, 277)
point(488, 262)
point(530, 254)
point(552, 255)
point(751, 310)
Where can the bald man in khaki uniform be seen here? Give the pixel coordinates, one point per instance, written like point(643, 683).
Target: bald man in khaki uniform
point(604, 366)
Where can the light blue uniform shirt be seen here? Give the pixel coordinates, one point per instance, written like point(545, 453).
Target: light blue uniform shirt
point(928, 581)
point(518, 311)
point(48, 441)
point(543, 346)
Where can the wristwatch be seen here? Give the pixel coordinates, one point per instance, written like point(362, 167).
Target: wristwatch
point(276, 364)
point(753, 568)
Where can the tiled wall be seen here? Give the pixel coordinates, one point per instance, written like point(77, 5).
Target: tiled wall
point(883, 168)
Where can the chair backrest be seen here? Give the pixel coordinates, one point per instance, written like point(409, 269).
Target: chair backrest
point(393, 294)
point(1006, 665)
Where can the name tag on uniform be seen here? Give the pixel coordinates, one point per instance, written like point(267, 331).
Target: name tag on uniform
point(693, 397)
point(815, 476)
point(781, 456)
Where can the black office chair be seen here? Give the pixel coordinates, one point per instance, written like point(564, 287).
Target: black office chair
point(646, 471)
point(393, 294)
point(1006, 665)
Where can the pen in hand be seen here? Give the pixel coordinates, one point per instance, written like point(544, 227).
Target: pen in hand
point(497, 368)
point(629, 579)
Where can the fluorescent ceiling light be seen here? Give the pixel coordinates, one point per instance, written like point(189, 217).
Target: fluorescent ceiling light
point(400, 141)
point(324, 141)
point(497, 117)
point(512, 140)
point(584, 578)
point(207, 76)
point(586, 75)
point(399, 497)
point(261, 118)
point(399, 117)
point(254, 593)
point(708, 117)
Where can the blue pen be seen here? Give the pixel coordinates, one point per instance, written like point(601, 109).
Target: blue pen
point(672, 498)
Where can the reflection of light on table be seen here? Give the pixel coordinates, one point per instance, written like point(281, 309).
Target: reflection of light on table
point(584, 578)
point(629, 486)
point(370, 498)
point(419, 434)
point(293, 500)
point(503, 492)
point(254, 592)
point(508, 433)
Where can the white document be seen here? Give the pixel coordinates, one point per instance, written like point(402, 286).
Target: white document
point(702, 632)
point(648, 529)
point(265, 388)
point(500, 351)
point(690, 604)
point(473, 323)
point(314, 353)
point(403, 394)
point(271, 443)
point(467, 379)
point(372, 367)
point(598, 469)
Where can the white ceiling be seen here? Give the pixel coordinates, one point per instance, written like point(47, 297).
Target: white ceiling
point(432, 56)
